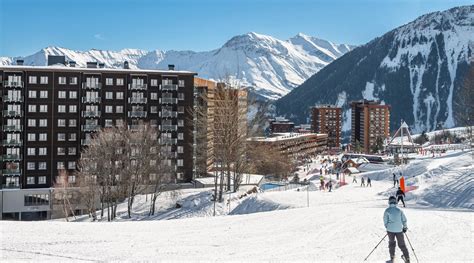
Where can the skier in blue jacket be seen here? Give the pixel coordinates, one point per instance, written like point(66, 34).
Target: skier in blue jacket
point(396, 224)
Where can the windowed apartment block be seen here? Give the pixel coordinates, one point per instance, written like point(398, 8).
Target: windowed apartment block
point(327, 119)
point(49, 113)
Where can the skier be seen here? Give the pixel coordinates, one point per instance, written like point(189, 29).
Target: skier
point(369, 183)
point(337, 175)
point(330, 186)
point(354, 180)
point(362, 182)
point(396, 224)
point(395, 180)
point(400, 196)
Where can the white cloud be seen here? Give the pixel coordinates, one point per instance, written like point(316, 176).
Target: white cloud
point(99, 36)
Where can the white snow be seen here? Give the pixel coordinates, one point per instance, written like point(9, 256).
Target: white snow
point(368, 92)
point(339, 226)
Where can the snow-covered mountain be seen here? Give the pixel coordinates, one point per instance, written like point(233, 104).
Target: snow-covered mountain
point(272, 67)
point(418, 68)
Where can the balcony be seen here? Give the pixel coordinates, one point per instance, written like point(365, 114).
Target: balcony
point(13, 128)
point(11, 186)
point(168, 127)
point(12, 143)
point(12, 84)
point(91, 114)
point(90, 127)
point(168, 101)
point(11, 171)
point(137, 100)
point(12, 157)
point(91, 99)
point(137, 114)
point(168, 141)
point(170, 87)
point(86, 85)
point(12, 113)
point(168, 114)
point(7, 98)
point(135, 126)
point(137, 86)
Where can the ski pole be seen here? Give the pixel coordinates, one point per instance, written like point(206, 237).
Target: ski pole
point(375, 247)
point(412, 249)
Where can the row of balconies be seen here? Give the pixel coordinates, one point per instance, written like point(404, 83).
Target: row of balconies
point(13, 128)
point(168, 114)
point(8, 98)
point(13, 113)
point(11, 186)
point(12, 84)
point(12, 157)
point(11, 171)
point(12, 142)
point(168, 101)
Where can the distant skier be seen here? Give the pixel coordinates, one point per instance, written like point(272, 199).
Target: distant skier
point(354, 180)
point(396, 224)
point(395, 180)
point(330, 186)
point(400, 196)
point(337, 176)
point(369, 182)
point(362, 182)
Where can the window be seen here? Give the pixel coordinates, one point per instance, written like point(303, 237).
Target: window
point(153, 109)
point(32, 79)
point(109, 123)
point(61, 137)
point(180, 136)
point(180, 162)
point(30, 180)
point(44, 80)
point(31, 151)
point(71, 150)
point(31, 122)
point(73, 80)
point(180, 123)
point(72, 123)
point(109, 109)
point(71, 165)
point(71, 179)
point(42, 179)
point(30, 166)
point(119, 123)
point(36, 199)
point(73, 94)
point(42, 166)
point(180, 83)
point(109, 95)
point(180, 109)
point(31, 137)
point(154, 82)
point(119, 95)
point(61, 94)
point(32, 94)
point(43, 108)
point(60, 165)
point(31, 108)
point(180, 149)
point(62, 80)
point(61, 108)
point(43, 122)
point(119, 82)
point(43, 137)
point(118, 109)
point(109, 81)
point(72, 108)
point(42, 151)
point(154, 96)
point(43, 94)
point(72, 137)
point(61, 123)
point(180, 96)
point(61, 151)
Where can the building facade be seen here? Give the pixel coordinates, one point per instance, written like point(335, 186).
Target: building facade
point(370, 125)
point(294, 145)
point(280, 125)
point(49, 113)
point(328, 119)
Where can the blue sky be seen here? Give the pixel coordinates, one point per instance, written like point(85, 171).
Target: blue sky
point(29, 25)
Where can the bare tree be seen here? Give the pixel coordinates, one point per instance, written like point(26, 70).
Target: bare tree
point(267, 160)
point(62, 193)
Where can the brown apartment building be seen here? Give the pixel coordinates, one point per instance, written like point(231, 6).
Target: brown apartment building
point(216, 103)
point(49, 113)
point(370, 123)
point(328, 119)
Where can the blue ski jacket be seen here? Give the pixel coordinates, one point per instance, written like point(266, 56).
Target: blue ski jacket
point(394, 219)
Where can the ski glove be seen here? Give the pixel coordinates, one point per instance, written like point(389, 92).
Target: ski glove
point(405, 229)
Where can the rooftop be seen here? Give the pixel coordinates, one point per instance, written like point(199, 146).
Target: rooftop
point(284, 136)
point(59, 67)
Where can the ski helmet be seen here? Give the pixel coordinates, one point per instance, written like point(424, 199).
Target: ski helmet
point(392, 200)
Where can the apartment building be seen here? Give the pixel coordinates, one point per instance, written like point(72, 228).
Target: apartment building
point(281, 125)
point(49, 113)
point(294, 145)
point(370, 124)
point(328, 119)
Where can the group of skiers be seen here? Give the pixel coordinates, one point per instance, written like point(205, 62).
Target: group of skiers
point(324, 185)
point(363, 181)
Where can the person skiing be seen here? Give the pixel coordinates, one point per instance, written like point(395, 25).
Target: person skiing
point(362, 182)
point(354, 180)
point(400, 196)
point(395, 223)
point(337, 176)
point(369, 183)
point(395, 180)
point(330, 186)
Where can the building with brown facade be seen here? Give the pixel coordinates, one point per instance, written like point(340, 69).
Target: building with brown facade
point(328, 119)
point(370, 125)
point(280, 125)
point(49, 113)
